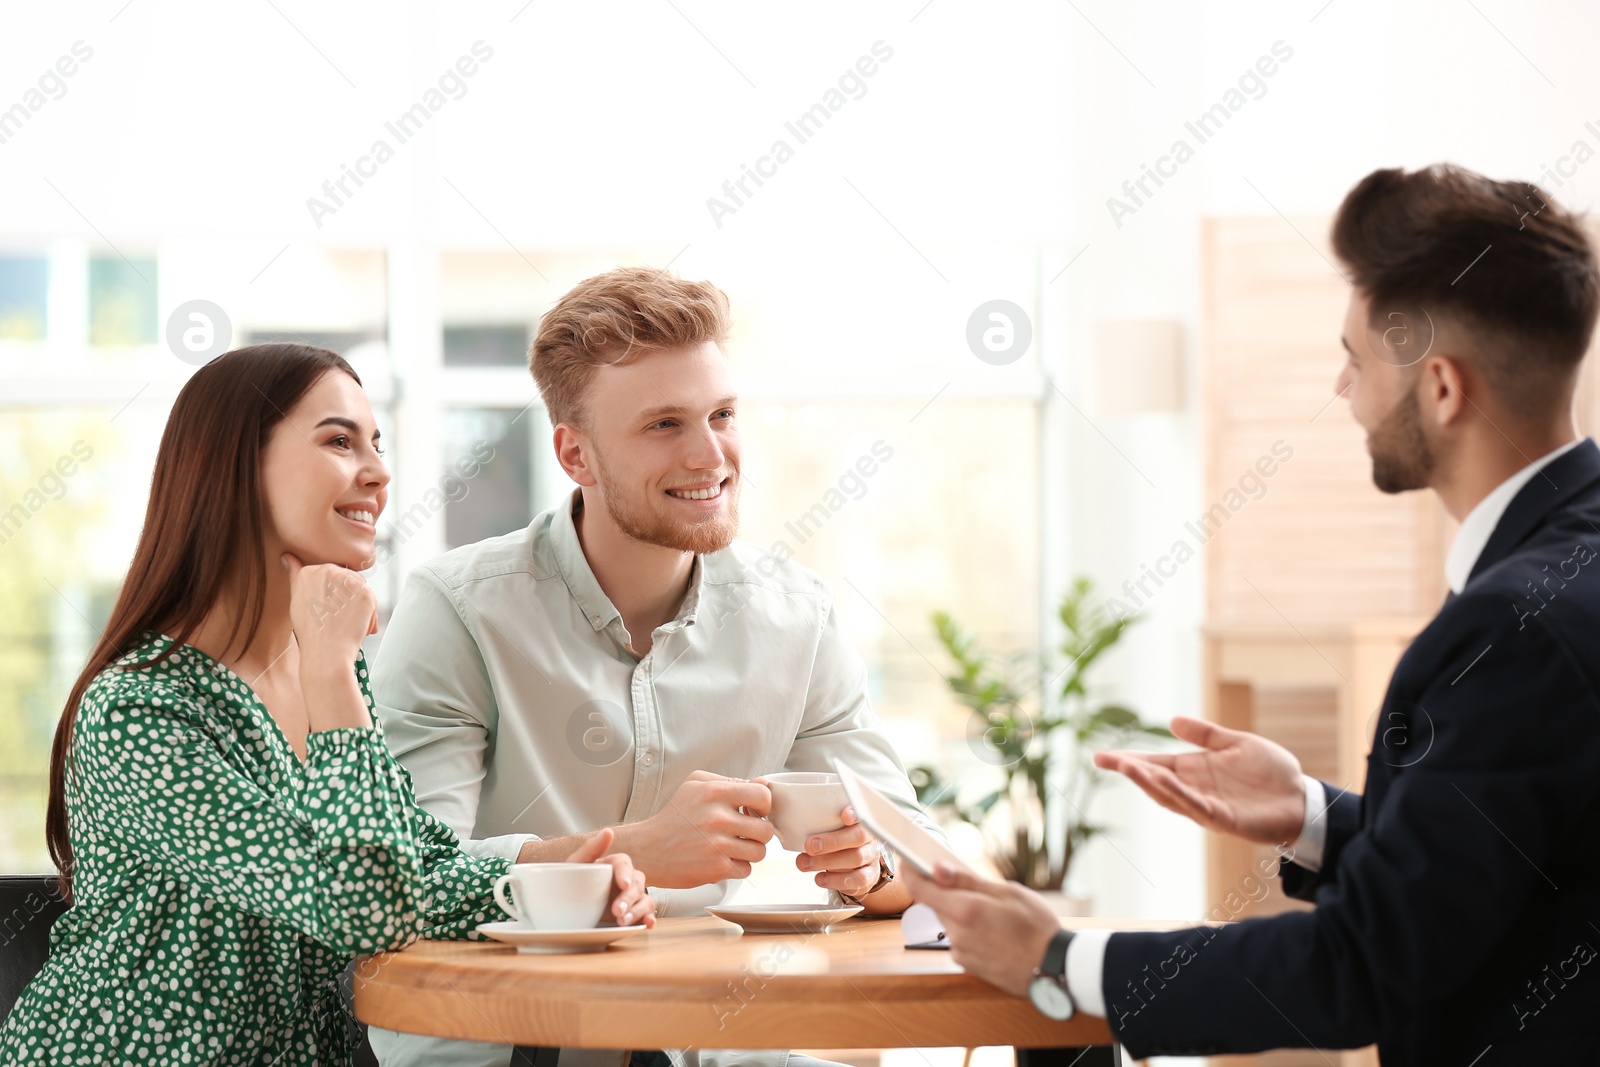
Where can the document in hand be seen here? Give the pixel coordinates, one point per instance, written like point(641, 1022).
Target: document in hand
point(891, 826)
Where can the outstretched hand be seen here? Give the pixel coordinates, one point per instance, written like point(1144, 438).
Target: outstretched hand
point(1239, 783)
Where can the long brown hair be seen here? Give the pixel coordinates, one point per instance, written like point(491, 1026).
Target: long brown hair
point(202, 528)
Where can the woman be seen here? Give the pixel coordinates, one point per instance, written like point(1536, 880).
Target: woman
point(223, 810)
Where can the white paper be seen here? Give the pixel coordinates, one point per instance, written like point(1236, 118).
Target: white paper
point(919, 924)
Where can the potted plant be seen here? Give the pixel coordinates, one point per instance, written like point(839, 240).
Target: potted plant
point(1044, 752)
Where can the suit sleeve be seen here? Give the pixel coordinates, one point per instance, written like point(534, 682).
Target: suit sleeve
point(1343, 820)
point(1455, 847)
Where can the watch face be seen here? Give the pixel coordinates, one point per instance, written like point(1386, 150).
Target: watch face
point(1051, 998)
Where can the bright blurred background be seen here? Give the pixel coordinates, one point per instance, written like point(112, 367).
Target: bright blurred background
point(156, 153)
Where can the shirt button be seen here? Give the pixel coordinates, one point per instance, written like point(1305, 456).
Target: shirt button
point(648, 759)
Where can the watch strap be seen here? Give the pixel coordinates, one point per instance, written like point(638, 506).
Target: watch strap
point(1055, 955)
point(885, 876)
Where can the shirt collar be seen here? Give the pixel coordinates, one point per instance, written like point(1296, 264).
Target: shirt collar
point(1482, 519)
point(585, 587)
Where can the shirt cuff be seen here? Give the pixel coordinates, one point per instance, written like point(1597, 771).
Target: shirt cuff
point(1086, 956)
point(505, 847)
point(671, 903)
point(1307, 849)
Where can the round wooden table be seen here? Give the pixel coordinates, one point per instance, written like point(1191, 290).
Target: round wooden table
point(702, 983)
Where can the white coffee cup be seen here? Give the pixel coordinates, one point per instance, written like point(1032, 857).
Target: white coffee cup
point(555, 896)
point(805, 803)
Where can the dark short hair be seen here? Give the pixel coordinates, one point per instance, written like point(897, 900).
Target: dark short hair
point(1500, 258)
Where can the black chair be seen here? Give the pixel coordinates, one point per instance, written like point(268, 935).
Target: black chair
point(1098, 1056)
point(29, 907)
point(358, 1031)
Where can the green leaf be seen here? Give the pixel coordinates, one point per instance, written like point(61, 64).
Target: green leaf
point(985, 804)
point(1002, 691)
point(1113, 717)
point(932, 790)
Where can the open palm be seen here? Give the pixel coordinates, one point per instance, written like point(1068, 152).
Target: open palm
point(1239, 783)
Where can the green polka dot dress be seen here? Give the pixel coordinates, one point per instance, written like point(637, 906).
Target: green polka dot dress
point(222, 884)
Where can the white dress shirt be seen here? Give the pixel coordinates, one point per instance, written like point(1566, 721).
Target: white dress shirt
point(1086, 954)
point(1485, 516)
point(506, 687)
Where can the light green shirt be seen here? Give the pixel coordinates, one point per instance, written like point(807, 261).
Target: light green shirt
point(506, 687)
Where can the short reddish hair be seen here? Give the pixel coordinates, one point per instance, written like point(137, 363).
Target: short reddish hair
point(615, 317)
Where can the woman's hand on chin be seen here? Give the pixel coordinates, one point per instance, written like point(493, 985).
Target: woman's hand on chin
point(332, 609)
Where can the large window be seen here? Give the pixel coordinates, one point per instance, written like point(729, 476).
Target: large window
point(488, 476)
point(24, 282)
point(877, 450)
point(122, 301)
point(486, 346)
point(73, 483)
point(903, 515)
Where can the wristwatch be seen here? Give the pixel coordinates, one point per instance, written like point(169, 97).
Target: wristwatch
point(885, 876)
point(1048, 990)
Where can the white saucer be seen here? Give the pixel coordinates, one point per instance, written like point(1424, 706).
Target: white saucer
point(784, 918)
point(547, 942)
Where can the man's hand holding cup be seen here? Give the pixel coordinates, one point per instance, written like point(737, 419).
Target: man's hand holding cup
point(813, 817)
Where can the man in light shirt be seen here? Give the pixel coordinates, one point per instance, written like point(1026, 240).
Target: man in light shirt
point(1457, 898)
point(622, 662)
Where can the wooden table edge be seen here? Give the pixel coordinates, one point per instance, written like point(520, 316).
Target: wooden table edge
point(454, 998)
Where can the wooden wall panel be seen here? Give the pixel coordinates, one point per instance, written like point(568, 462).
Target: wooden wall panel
point(1322, 545)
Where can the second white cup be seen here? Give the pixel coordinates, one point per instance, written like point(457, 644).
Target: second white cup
point(805, 803)
point(555, 896)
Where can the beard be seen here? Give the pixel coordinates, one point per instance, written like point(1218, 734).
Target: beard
point(645, 519)
point(1401, 457)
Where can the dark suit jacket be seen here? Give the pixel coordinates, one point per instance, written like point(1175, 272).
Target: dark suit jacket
point(1458, 903)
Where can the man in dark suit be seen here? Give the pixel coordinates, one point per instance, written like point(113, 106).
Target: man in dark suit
point(1457, 915)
